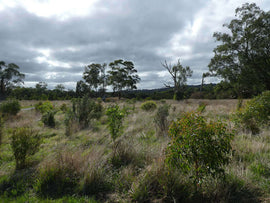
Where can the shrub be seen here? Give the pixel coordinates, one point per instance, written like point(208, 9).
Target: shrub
point(198, 147)
point(161, 120)
point(115, 121)
point(48, 119)
point(70, 123)
point(149, 106)
point(10, 107)
point(85, 110)
point(255, 114)
point(24, 142)
point(44, 107)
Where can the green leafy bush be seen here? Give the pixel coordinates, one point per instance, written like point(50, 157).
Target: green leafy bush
point(10, 107)
point(44, 107)
point(149, 106)
point(115, 121)
point(24, 142)
point(64, 107)
point(198, 147)
point(48, 118)
point(161, 119)
point(255, 114)
point(85, 110)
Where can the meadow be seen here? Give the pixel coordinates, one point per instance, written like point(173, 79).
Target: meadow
point(85, 165)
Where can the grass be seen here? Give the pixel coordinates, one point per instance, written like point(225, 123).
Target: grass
point(86, 166)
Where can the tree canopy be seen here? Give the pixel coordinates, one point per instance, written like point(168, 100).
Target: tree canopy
point(9, 76)
point(242, 57)
point(122, 75)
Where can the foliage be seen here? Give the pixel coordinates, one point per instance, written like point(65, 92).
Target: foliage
point(198, 147)
point(10, 107)
point(122, 75)
point(63, 107)
point(9, 76)
point(115, 121)
point(149, 106)
point(179, 76)
point(255, 114)
point(161, 119)
point(94, 75)
point(44, 107)
point(242, 56)
point(48, 118)
point(24, 142)
point(85, 110)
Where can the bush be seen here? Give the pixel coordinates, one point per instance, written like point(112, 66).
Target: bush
point(10, 107)
point(24, 142)
point(198, 147)
point(48, 119)
point(115, 121)
point(149, 106)
point(44, 107)
point(161, 120)
point(255, 114)
point(85, 110)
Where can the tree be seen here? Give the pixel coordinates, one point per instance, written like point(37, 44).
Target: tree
point(179, 75)
point(242, 58)
point(9, 76)
point(60, 87)
point(81, 88)
point(95, 76)
point(122, 75)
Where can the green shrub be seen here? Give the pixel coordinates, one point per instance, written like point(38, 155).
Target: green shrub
point(161, 119)
point(115, 121)
point(85, 110)
point(44, 107)
point(149, 106)
point(198, 147)
point(48, 119)
point(255, 114)
point(24, 142)
point(71, 125)
point(10, 107)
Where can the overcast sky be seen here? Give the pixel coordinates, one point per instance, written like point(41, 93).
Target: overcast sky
point(52, 40)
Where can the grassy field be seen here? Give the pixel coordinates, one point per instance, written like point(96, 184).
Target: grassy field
point(81, 167)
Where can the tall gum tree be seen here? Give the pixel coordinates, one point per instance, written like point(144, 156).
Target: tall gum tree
point(242, 57)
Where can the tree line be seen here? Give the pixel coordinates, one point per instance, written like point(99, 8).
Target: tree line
point(241, 60)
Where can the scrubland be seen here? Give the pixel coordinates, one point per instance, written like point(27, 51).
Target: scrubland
point(85, 166)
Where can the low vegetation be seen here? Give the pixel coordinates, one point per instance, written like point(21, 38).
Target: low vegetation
point(184, 151)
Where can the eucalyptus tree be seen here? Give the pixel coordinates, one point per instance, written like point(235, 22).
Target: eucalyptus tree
point(122, 76)
point(242, 56)
point(9, 76)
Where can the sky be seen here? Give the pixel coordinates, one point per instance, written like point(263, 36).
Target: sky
point(53, 40)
